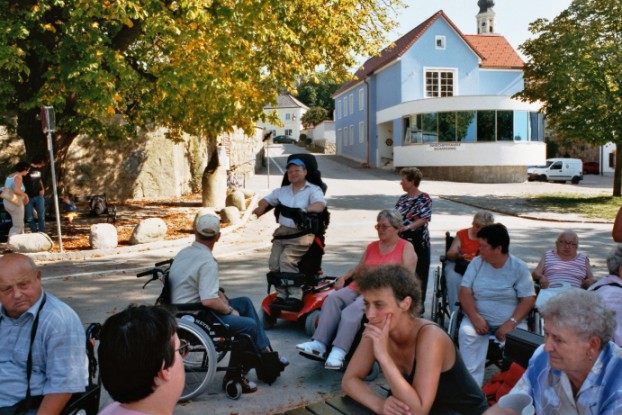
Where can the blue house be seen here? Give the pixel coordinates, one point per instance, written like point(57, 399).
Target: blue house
point(442, 101)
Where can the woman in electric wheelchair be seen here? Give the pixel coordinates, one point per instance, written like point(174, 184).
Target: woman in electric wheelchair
point(343, 310)
point(464, 247)
point(420, 362)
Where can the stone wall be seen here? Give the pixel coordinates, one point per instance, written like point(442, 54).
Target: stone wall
point(476, 174)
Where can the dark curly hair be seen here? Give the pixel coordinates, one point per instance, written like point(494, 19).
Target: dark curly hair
point(402, 283)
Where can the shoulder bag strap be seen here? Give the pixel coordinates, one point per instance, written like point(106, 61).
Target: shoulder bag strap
point(33, 333)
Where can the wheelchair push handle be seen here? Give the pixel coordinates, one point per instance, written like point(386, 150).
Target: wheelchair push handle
point(155, 275)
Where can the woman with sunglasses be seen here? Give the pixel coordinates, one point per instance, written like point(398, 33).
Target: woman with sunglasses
point(564, 265)
point(343, 309)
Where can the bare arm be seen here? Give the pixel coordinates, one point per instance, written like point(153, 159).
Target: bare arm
point(589, 277)
point(416, 224)
point(538, 274)
point(409, 258)
point(467, 302)
point(317, 207)
point(220, 304)
point(261, 208)
point(53, 403)
point(525, 305)
point(454, 252)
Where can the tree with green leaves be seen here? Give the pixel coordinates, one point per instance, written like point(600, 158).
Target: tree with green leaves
point(113, 67)
point(313, 117)
point(318, 90)
point(575, 69)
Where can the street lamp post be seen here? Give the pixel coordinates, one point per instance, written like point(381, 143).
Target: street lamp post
point(48, 124)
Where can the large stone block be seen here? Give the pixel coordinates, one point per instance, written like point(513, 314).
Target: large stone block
point(149, 230)
point(230, 214)
point(30, 242)
point(103, 236)
point(237, 198)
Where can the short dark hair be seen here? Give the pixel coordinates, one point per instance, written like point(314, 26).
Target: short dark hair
point(412, 174)
point(401, 281)
point(22, 166)
point(135, 345)
point(39, 159)
point(496, 235)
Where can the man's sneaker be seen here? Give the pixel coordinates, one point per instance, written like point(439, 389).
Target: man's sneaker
point(248, 386)
point(313, 348)
point(335, 359)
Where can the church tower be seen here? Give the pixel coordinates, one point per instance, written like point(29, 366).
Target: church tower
point(485, 17)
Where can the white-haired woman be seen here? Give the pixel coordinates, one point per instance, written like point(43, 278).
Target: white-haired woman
point(577, 370)
point(610, 289)
point(564, 264)
point(343, 310)
point(463, 249)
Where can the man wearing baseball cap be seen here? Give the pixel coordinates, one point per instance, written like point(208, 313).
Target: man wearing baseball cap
point(194, 278)
point(288, 250)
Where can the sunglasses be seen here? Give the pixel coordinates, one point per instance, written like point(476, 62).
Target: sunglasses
point(184, 348)
point(383, 227)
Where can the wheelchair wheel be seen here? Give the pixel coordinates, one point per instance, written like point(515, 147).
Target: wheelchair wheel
point(233, 390)
point(373, 372)
point(200, 363)
point(436, 314)
point(311, 322)
point(267, 320)
point(454, 325)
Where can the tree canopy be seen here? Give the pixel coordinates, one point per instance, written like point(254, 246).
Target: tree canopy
point(318, 91)
point(575, 69)
point(314, 116)
point(110, 67)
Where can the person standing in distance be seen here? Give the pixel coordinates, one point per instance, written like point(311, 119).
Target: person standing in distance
point(36, 194)
point(287, 249)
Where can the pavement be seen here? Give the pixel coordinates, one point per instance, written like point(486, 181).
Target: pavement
point(99, 283)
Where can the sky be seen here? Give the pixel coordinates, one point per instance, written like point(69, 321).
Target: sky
point(512, 16)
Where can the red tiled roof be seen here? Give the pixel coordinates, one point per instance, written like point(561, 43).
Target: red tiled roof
point(496, 51)
point(485, 49)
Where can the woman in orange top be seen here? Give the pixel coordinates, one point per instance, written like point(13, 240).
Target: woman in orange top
point(465, 247)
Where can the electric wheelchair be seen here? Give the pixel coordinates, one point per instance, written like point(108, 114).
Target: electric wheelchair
point(210, 341)
point(315, 286)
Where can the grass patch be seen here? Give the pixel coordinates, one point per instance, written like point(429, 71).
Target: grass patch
point(602, 207)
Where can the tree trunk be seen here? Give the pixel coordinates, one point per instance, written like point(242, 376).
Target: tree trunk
point(617, 176)
point(214, 180)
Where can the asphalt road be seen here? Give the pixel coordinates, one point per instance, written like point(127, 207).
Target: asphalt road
point(98, 287)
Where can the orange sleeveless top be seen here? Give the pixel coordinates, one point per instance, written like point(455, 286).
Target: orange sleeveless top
point(468, 246)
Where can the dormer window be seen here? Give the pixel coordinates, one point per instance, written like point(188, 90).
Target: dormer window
point(439, 42)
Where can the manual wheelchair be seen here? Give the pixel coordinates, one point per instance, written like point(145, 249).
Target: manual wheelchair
point(210, 340)
point(440, 312)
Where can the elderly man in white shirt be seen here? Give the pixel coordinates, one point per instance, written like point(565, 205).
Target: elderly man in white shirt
point(287, 248)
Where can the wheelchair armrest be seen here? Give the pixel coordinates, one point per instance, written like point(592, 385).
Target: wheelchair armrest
point(190, 307)
point(443, 258)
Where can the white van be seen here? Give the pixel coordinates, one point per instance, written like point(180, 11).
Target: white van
point(557, 170)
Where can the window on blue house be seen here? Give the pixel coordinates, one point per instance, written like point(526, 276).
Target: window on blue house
point(486, 130)
point(430, 127)
point(505, 126)
point(439, 42)
point(446, 126)
point(345, 106)
point(521, 126)
point(439, 83)
point(361, 99)
point(351, 103)
point(466, 126)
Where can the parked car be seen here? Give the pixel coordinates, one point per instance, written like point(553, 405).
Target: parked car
point(591, 167)
point(284, 139)
point(557, 170)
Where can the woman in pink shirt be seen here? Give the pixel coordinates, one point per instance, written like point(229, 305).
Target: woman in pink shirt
point(343, 309)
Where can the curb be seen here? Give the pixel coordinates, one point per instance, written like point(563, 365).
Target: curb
point(529, 217)
point(102, 253)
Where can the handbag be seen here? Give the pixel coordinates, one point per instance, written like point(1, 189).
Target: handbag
point(9, 195)
point(461, 266)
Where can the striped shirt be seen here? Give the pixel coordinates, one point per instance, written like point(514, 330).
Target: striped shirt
point(572, 271)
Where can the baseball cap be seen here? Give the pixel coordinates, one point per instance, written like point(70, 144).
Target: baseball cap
point(297, 162)
point(207, 223)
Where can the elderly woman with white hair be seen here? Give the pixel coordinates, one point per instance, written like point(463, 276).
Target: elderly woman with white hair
point(564, 265)
point(463, 249)
point(577, 369)
point(610, 289)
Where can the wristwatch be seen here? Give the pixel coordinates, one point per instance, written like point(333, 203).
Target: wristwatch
point(513, 320)
point(231, 310)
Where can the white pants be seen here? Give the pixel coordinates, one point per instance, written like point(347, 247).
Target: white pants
point(474, 347)
point(17, 217)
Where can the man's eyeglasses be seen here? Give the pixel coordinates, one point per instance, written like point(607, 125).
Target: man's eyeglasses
point(382, 227)
point(184, 348)
point(567, 243)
